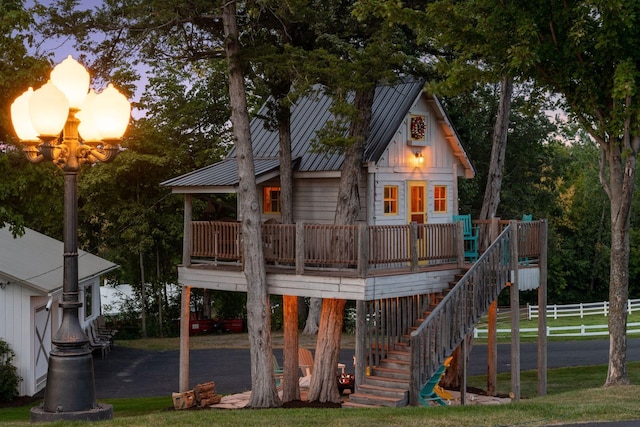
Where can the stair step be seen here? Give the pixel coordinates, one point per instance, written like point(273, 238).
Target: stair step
point(388, 382)
point(393, 363)
point(399, 374)
point(367, 399)
point(376, 390)
point(400, 354)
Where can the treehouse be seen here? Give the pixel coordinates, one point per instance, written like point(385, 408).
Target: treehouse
point(405, 262)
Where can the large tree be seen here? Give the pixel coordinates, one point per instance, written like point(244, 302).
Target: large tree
point(359, 52)
point(587, 52)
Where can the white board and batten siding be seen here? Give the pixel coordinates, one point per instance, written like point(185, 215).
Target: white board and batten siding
point(398, 167)
point(26, 325)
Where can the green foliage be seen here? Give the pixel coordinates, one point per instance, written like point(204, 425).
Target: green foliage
point(9, 378)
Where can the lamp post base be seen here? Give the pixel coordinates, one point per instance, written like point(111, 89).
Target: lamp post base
point(70, 392)
point(102, 412)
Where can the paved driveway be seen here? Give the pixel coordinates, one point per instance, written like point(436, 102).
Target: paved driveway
point(140, 373)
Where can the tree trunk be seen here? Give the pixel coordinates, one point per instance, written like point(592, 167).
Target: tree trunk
point(323, 385)
point(313, 316)
point(263, 390)
point(143, 296)
point(291, 387)
point(286, 163)
point(491, 199)
point(620, 189)
point(498, 151)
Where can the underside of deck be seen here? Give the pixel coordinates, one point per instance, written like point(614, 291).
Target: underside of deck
point(323, 283)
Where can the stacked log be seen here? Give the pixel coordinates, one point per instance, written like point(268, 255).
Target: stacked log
point(206, 394)
point(203, 395)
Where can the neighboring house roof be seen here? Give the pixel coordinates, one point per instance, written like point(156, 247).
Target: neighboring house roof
point(391, 104)
point(36, 261)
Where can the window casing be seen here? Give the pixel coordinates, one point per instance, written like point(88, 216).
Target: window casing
point(390, 204)
point(440, 198)
point(271, 199)
point(88, 301)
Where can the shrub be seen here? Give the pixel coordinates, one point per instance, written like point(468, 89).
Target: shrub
point(9, 378)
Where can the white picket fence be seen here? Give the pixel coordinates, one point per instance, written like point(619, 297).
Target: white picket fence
point(571, 310)
point(562, 331)
point(580, 310)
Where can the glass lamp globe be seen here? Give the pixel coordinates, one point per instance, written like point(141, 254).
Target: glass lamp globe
point(87, 127)
point(21, 119)
point(111, 112)
point(72, 79)
point(48, 109)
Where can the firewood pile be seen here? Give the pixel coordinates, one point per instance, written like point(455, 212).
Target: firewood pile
point(202, 395)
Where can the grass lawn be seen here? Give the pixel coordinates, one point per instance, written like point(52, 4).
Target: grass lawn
point(577, 402)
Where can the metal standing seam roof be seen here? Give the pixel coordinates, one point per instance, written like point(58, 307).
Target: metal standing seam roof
point(310, 114)
point(36, 261)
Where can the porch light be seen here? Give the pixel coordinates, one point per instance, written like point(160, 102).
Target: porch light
point(419, 158)
point(62, 122)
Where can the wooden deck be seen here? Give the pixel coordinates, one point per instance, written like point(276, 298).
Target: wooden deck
point(353, 262)
point(351, 250)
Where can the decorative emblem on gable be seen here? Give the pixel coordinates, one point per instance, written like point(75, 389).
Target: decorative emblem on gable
point(418, 130)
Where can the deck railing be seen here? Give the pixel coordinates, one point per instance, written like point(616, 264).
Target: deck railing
point(357, 248)
point(450, 322)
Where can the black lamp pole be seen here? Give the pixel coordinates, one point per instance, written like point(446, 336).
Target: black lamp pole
point(70, 392)
point(65, 123)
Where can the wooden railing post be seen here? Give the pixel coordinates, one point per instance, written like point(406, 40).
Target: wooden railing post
point(363, 250)
point(413, 245)
point(460, 243)
point(300, 248)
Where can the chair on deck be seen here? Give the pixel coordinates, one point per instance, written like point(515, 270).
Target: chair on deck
point(428, 392)
point(470, 237)
point(525, 218)
point(305, 362)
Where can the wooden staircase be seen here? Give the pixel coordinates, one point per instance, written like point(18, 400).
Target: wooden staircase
point(388, 383)
point(405, 361)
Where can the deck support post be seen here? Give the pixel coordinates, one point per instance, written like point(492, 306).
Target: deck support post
point(361, 338)
point(463, 374)
point(515, 315)
point(492, 326)
point(183, 376)
point(542, 312)
point(185, 307)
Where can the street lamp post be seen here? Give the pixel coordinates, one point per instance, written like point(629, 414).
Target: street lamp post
point(64, 123)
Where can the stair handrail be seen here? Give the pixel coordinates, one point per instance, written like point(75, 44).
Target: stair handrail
point(450, 322)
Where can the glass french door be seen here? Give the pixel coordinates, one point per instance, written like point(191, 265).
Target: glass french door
point(417, 202)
